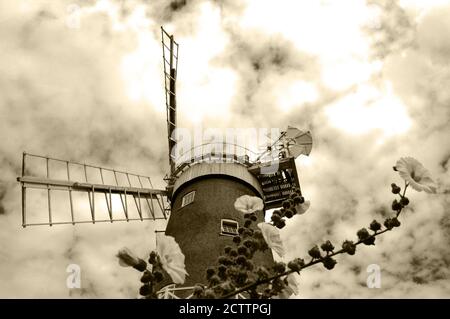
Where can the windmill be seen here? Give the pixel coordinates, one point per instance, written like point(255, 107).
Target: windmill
point(198, 201)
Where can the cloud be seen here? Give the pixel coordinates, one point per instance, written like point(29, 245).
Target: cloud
point(85, 83)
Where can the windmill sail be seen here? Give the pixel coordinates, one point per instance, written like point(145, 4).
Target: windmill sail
point(116, 190)
point(170, 61)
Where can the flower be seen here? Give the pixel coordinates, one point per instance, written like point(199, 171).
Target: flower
point(303, 207)
point(128, 259)
point(248, 204)
point(172, 259)
point(272, 237)
point(290, 289)
point(413, 172)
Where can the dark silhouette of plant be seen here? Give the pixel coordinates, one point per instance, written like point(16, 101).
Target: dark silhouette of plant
point(236, 273)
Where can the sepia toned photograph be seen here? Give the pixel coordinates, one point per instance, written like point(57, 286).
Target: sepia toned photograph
point(224, 149)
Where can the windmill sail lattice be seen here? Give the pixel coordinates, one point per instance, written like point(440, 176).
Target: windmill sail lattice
point(118, 190)
point(170, 61)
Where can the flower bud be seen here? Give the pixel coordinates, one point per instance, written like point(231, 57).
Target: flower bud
point(349, 247)
point(223, 260)
point(327, 246)
point(262, 273)
point(296, 199)
point(299, 200)
point(277, 212)
point(277, 285)
point(369, 241)
point(329, 262)
point(388, 223)
point(375, 226)
point(279, 267)
point(286, 204)
point(275, 218)
point(404, 201)
point(146, 277)
point(141, 265)
point(145, 290)
point(242, 250)
point(127, 258)
point(221, 268)
point(296, 264)
point(396, 205)
point(395, 222)
point(362, 234)
point(247, 232)
point(314, 252)
point(280, 224)
point(236, 239)
point(241, 260)
point(153, 258)
point(289, 213)
point(222, 274)
point(247, 243)
point(395, 189)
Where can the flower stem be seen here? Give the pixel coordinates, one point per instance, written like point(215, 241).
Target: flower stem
point(311, 263)
point(313, 260)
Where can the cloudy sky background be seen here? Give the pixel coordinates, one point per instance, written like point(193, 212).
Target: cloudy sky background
point(82, 80)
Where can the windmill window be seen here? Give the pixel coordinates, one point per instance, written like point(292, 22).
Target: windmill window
point(229, 227)
point(188, 198)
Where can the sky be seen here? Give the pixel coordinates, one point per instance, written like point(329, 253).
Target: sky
point(82, 80)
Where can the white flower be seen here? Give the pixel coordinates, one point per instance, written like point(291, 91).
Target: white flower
point(172, 259)
point(248, 204)
point(302, 208)
point(127, 258)
point(413, 172)
point(290, 289)
point(272, 236)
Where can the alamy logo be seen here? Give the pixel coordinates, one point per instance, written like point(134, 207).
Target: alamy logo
point(74, 278)
point(73, 19)
point(374, 277)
